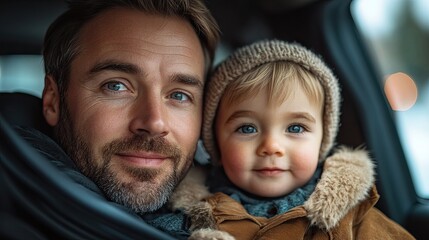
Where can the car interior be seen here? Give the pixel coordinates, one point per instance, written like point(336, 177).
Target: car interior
point(34, 189)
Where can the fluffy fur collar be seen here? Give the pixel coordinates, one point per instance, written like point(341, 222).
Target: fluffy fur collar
point(347, 177)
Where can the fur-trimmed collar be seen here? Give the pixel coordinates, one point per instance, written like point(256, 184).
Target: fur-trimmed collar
point(347, 177)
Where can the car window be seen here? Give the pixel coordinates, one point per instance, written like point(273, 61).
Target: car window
point(22, 73)
point(397, 33)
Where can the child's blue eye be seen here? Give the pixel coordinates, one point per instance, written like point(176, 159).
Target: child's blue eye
point(295, 129)
point(247, 129)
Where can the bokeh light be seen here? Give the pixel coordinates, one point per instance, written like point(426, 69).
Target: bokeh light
point(401, 91)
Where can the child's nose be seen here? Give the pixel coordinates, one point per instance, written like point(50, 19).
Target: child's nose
point(271, 145)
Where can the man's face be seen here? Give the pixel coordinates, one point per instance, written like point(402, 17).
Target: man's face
point(133, 107)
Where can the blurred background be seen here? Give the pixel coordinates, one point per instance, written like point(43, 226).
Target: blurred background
point(397, 33)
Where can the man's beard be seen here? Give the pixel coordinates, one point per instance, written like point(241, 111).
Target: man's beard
point(142, 194)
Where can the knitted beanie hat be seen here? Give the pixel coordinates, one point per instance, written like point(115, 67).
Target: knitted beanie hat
point(255, 55)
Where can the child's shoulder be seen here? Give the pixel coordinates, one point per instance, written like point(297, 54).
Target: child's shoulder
point(346, 180)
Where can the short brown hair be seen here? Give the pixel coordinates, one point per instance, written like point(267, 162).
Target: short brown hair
point(279, 79)
point(61, 40)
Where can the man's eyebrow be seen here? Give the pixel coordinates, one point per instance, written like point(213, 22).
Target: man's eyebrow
point(188, 80)
point(114, 65)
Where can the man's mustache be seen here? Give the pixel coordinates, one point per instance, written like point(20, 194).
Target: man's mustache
point(142, 143)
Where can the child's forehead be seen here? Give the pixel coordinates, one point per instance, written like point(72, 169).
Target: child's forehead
point(276, 94)
point(273, 97)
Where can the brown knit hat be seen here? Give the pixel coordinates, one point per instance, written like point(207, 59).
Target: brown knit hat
point(257, 54)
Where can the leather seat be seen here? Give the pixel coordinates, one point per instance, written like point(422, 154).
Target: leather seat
point(23, 109)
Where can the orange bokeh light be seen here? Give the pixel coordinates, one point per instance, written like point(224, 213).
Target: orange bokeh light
point(401, 91)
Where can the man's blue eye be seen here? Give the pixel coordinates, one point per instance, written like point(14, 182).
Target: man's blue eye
point(247, 129)
point(179, 96)
point(295, 129)
point(116, 86)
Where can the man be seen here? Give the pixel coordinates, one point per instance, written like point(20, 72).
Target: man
point(124, 91)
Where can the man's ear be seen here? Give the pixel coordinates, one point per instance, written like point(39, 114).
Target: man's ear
point(51, 101)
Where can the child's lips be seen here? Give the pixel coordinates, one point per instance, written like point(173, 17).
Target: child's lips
point(269, 172)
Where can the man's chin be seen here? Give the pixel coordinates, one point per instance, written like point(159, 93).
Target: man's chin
point(143, 190)
point(143, 197)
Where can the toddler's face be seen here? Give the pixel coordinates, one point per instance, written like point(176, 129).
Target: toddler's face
point(270, 150)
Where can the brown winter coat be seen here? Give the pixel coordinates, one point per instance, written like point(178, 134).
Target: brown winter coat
point(341, 207)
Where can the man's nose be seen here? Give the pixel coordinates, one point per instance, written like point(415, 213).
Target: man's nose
point(271, 144)
point(149, 117)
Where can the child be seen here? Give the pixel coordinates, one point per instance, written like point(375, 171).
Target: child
point(270, 120)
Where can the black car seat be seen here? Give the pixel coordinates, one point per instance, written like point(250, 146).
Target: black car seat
point(23, 109)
